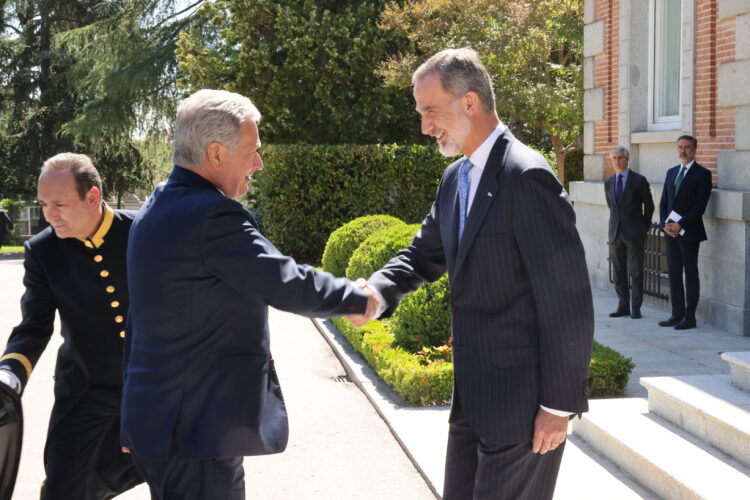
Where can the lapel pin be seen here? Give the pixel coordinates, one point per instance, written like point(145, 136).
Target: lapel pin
point(489, 194)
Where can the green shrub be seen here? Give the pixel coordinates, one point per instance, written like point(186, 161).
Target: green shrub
point(345, 240)
point(307, 191)
point(424, 317)
point(417, 383)
point(379, 248)
point(609, 372)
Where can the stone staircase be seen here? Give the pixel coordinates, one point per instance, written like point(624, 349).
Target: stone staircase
point(689, 440)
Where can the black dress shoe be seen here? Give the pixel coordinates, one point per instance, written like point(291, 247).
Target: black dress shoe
point(619, 313)
point(672, 321)
point(636, 314)
point(685, 324)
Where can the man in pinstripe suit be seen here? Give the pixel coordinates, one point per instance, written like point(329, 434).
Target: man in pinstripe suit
point(503, 228)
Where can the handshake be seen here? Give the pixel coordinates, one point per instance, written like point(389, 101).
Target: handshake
point(375, 304)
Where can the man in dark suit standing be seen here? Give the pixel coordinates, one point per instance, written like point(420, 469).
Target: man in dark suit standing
point(630, 209)
point(687, 188)
point(503, 228)
point(77, 268)
point(201, 389)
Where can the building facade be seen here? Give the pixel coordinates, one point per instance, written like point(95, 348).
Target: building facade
point(655, 70)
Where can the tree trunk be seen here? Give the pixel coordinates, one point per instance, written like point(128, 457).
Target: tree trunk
point(560, 153)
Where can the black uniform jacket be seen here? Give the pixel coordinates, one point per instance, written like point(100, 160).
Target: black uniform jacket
point(85, 281)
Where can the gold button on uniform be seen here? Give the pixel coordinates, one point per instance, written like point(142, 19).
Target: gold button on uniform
point(115, 303)
point(110, 289)
point(119, 318)
point(104, 273)
point(122, 334)
point(98, 258)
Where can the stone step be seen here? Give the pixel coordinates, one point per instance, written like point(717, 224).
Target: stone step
point(664, 458)
point(707, 406)
point(739, 368)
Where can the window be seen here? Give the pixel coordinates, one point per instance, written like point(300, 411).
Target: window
point(665, 57)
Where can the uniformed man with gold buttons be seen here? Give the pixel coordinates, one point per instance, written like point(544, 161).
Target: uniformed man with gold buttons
point(77, 267)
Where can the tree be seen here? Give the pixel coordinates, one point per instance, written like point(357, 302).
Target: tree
point(531, 48)
point(309, 65)
point(85, 75)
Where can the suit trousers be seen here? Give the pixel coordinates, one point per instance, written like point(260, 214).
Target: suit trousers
point(207, 479)
point(479, 470)
point(627, 264)
point(683, 256)
point(82, 458)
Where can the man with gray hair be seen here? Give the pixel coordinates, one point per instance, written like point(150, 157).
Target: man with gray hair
point(76, 267)
point(503, 228)
point(201, 389)
point(631, 206)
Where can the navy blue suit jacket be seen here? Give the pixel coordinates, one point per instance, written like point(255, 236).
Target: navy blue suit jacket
point(690, 202)
point(198, 369)
point(522, 311)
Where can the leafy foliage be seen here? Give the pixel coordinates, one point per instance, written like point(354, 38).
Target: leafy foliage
point(423, 319)
point(84, 76)
point(533, 49)
point(345, 240)
point(609, 372)
point(379, 248)
point(308, 65)
point(305, 192)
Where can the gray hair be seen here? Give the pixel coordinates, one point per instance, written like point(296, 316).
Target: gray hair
point(619, 148)
point(209, 116)
point(460, 71)
point(84, 173)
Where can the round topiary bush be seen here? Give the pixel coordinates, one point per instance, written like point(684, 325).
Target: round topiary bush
point(345, 240)
point(379, 248)
point(424, 317)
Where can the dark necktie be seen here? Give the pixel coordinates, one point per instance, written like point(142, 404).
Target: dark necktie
point(678, 181)
point(618, 189)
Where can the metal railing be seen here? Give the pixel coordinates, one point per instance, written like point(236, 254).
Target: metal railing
point(655, 275)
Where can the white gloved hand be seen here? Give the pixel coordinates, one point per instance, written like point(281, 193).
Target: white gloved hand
point(9, 378)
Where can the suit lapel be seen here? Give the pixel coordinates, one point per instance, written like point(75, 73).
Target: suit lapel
point(628, 187)
point(485, 196)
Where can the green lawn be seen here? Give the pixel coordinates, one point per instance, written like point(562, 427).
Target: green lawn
point(5, 249)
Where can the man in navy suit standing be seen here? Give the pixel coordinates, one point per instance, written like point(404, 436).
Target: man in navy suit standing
point(687, 188)
point(503, 228)
point(200, 386)
point(630, 209)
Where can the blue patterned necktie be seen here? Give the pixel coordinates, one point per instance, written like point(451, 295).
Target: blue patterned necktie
point(463, 194)
point(678, 181)
point(618, 189)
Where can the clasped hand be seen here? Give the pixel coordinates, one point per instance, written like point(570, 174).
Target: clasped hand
point(373, 303)
point(672, 229)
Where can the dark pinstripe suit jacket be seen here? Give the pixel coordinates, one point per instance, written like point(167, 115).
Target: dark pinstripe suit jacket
point(522, 307)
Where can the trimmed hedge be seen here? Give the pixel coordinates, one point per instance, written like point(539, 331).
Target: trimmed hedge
point(345, 240)
point(307, 191)
point(416, 383)
point(423, 318)
point(379, 248)
point(609, 372)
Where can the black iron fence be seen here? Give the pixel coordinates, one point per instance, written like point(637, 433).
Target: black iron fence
point(655, 276)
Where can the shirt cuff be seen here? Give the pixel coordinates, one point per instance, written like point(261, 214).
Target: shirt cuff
point(9, 378)
point(559, 413)
point(382, 306)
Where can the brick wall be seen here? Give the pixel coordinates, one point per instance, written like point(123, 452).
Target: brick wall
point(606, 75)
point(714, 45)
